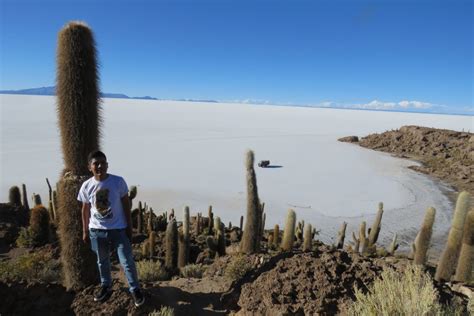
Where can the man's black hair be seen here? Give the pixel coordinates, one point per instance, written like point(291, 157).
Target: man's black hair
point(96, 154)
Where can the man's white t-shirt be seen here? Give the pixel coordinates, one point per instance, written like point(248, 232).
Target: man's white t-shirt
point(105, 200)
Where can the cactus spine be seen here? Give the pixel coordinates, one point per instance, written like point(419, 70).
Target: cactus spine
point(308, 238)
point(250, 242)
point(289, 233)
point(447, 262)
point(79, 119)
point(183, 255)
point(14, 196)
point(422, 242)
point(466, 256)
point(171, 258)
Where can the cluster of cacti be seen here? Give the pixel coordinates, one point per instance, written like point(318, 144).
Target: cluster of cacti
point(217, 243)
point(422, 240)
point(289, 232)
point(365, 244)
point(250, 239)
point(78, 115)
point(341, 235)
point(449, 258)
point(183, 251)
point(171, 247)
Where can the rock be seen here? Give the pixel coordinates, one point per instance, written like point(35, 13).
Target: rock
point(349, 139)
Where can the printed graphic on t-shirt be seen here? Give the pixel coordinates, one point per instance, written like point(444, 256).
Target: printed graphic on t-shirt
point(102, 204)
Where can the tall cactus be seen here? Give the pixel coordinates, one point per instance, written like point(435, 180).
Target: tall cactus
point(447, 262)
point(422, 242)
point(289, 232)
point(24, 197)
point(341, 235)
point(276, 235)
point(79, 119)
point(466, 256)
point(171, 255)
point(363, 240)
point(250, 242)
point(183, 251)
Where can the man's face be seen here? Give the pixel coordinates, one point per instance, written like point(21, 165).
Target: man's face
point(98, 167)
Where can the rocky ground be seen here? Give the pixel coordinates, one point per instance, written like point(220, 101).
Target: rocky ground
point(444, 154)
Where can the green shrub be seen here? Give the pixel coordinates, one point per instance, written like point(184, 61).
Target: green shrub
point(164, 311)
point(394, 293)
point(150, 271)
point(39, 266)
point(237, 267)
point(24, 240)
point(192, 271)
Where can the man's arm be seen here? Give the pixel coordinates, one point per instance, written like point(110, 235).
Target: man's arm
point(128, 215)
point(86, 212)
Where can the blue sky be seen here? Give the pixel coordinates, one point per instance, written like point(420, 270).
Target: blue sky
point(386, 54)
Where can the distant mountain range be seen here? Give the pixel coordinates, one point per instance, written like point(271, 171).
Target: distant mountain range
point(52, 91)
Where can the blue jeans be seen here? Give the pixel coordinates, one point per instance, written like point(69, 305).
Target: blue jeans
point(101, 242)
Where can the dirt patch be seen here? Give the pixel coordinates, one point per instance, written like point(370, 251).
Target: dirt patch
point(320, 282)
point(21, 298)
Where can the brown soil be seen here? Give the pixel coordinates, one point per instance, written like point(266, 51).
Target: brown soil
point(446, 155)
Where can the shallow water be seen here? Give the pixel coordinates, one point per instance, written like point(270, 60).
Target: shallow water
point(188, 153)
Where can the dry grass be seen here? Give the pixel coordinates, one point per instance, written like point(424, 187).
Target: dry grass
point(38, 266)
point(192, 271)
point(164, 311)
point(238, 267)
point(150, 271)
point(394, 293)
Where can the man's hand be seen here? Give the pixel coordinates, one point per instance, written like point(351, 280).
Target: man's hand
point(85, 237)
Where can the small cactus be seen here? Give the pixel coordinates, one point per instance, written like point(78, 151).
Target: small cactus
point(146, 248)
point(24, 197)
point(308, 238)
point(341, 236)
point(356, 242)
point(466, 256)
point(36, 199)
point(217, 243)
point(183, 251)
point(171, 256)
point(152, 243)
point(210, 223)
point(39, 225)
point(393, 246)
point(52, 213)
point(423, 238)
point(132, 194)
point(375, 230)
point(140, 218)
point(447, 262)
point(276, 235)
point(289, 233)
point(14, 196)
point(363, 240)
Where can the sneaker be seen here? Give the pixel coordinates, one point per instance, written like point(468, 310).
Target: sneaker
point(138, 297)
point(102, 294)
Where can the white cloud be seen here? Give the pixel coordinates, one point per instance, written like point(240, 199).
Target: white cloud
point(415, 104)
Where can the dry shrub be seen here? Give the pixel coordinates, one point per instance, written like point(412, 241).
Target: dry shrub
point(39, 266)
point(408, 293)
point(192, 271)
point(150, 271)
point(237, 267)
point(164, 311)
